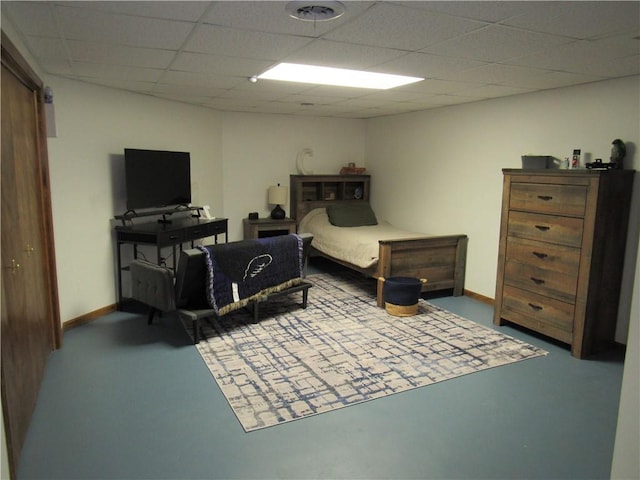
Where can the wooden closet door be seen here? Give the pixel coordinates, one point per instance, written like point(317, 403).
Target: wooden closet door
point(30, 318)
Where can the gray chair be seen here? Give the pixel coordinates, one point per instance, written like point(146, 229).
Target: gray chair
point(155, 286)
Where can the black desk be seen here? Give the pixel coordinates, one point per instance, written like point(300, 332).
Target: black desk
point(161, 235)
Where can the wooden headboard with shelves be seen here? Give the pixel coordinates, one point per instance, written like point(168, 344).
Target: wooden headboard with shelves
point(317, 191)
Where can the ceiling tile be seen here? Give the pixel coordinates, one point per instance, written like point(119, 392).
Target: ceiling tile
point(129, 85)
point(272, 87)
point(488, 11)
point(218, 64)
point(243, 43)
point(190, 79)
point(47, 49)
point(439, 86)
point(590, 19)
point(342, 55)
point(582, 57)
point(428, 66)
point(119, 54)
point(394, 95)
point(495, 44)
point(343, 92)
point(85, 24)
point(57, 67)
point(522, 77)
point(395, 26)
point(302, 98)
point(103, 71)
point(179, 90)
point(556, 80)
point(170, 10)
point(191, 99)
point(33, 18)
point(492, 91)
point(250, 95)
point(454, 99)
point(497, 74)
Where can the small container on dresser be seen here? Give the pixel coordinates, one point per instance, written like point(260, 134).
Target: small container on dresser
point(561, 254)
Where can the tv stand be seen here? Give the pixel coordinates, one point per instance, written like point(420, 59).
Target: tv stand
point(161, 234)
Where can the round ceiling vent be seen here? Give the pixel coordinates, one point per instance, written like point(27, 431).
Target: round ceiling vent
point(311, 11)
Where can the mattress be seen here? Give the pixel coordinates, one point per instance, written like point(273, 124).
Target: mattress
point(355, 245)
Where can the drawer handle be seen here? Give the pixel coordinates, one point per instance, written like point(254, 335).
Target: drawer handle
point(537, 308)
point(546, 198)
point(540, 255)
point(196, 232)
point(172, 237)
point(543, 228)
point(537, 281)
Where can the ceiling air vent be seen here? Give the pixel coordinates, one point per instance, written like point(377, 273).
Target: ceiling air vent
point(314, 11)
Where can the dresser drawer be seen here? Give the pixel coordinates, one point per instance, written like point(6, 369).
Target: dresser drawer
point(542, 314)
point(546, 228)
point(549, 256)
point(559, 199)
point(541, 281)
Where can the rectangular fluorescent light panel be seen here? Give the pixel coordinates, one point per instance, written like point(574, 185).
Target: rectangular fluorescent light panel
point(342, 77)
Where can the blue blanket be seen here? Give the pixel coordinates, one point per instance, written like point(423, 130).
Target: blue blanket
point(239, 272)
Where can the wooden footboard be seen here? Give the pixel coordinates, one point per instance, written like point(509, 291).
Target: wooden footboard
point(441, 260)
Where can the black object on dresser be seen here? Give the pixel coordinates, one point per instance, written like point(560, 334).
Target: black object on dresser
point(163, 234)
point(562, 241)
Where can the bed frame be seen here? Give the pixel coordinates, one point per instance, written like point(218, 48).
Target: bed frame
point(439, 259)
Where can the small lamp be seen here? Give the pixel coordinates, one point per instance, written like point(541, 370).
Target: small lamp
point(277, 197)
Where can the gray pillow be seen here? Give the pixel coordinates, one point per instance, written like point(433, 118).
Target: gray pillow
point(351, 215)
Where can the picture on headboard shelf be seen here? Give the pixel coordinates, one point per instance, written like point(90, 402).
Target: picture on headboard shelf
point(330, 191)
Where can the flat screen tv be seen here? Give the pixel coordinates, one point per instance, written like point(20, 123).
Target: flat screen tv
point(157, 178)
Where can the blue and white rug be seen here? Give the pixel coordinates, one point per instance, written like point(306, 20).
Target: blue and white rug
point(340, 351)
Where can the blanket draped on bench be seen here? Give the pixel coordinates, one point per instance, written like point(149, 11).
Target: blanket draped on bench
point(239, 272)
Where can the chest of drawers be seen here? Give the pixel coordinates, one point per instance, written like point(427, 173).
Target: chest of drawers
point(561, 254)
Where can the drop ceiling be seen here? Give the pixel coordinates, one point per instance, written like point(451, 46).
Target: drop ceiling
point(204, 53)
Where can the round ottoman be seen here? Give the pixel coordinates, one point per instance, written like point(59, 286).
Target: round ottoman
point(401, 295)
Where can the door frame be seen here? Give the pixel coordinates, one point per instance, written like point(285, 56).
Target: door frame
point(12, 59)
point(19, 67)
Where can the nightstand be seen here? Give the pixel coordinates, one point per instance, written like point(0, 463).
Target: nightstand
point(267, 227)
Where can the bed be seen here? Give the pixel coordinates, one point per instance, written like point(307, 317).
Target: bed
point(375, 248)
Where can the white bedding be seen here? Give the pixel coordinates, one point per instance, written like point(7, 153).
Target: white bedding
point(355, 245)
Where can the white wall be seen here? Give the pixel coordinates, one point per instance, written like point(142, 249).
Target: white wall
point(94, 125)
point(234, 158)
point(260, 150)
point(439, 171)
point(626, 464)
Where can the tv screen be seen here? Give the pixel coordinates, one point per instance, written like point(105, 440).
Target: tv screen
point(156, 178)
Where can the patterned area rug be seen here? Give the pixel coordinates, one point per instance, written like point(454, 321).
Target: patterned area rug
point(340, 351)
